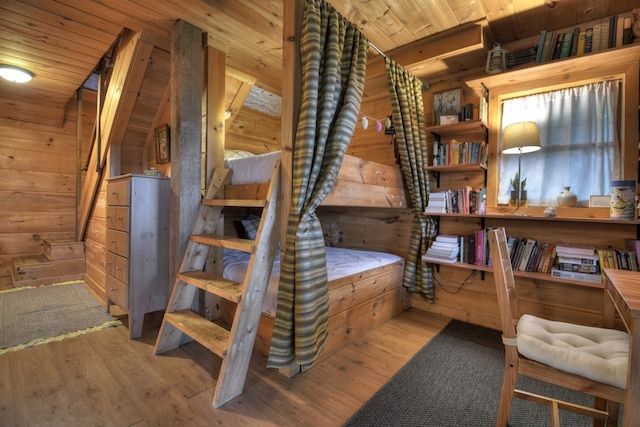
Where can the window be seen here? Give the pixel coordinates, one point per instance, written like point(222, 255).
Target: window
point(578, 129)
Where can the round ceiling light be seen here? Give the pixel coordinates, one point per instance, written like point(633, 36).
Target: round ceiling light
point(15, 74)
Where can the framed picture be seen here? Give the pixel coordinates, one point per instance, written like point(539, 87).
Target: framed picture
point(163, 147)
point(447, 103)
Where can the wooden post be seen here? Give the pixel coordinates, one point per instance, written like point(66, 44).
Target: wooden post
point(291, 88)
point(186, 137)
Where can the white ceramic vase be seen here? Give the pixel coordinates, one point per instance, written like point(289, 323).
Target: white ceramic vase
point(566, 198)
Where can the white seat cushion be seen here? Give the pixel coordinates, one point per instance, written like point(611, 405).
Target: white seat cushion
point(596, 353)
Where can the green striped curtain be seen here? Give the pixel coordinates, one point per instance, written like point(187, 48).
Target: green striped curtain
point(408, 119)
point(333, 56)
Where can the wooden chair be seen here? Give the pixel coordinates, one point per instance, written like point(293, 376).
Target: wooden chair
point(583, 358)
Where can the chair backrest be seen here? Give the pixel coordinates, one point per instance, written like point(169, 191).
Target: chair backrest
point(505, 282)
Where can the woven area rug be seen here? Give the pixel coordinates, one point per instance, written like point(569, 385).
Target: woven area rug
point(31, 316)
point(455, 380)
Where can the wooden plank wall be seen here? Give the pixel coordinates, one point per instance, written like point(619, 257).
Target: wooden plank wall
point(38, 191)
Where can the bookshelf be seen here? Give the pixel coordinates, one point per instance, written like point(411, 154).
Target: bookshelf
point(590, 37)
point(466, 296)
point(498, 219)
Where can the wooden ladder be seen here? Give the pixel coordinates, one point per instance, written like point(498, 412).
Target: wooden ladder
point(234, 346)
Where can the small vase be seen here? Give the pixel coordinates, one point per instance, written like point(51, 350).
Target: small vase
point(566, 198)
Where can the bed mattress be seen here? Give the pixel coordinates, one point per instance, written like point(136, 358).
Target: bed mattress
point(340, 263)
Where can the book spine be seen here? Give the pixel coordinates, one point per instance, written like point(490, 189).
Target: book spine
point(558, 47)
point(571, 275)
point(565, 51)
point(595, 41)
point(543, 34)
point(588, 40)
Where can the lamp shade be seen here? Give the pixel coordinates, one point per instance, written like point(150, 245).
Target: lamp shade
point(519, 138)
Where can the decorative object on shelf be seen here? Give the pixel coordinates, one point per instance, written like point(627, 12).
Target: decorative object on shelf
point(163, 150)
point(550, 211)
point(517, 191)
point(519, 138)
point(623, 196)
point(566, 198)
point(447, 103)
point(596, 201)
point(449, 119)
point(496, 59)
point(635, 26)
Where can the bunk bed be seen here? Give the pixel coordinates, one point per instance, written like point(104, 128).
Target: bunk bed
point(365, 284)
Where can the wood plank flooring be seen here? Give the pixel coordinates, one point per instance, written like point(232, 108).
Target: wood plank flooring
point(105, 379)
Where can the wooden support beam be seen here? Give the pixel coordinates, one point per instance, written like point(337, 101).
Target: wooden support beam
point(186, 137)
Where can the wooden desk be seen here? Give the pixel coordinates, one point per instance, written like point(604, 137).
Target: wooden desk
point(622, 294)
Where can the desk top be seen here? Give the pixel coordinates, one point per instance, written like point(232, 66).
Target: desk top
point(627, 284)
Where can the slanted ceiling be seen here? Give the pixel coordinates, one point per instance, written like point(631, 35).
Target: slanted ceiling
point(62, 41)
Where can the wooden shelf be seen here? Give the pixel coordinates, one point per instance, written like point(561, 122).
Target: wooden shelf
point(457, 168)
point(460, 128)
point(525, 274)
point(539, 218)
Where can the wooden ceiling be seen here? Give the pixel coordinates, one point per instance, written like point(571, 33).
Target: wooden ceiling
point(63, 41)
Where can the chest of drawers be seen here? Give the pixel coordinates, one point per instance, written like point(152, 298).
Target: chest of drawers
point(137, 246)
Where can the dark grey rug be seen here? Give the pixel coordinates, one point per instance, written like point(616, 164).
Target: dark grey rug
point(455, 380)
point(36, 315)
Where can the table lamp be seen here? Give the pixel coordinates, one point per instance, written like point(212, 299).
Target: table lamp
point(519, 138)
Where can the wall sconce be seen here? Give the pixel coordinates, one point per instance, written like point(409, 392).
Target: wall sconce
point(520, 138)
point(15, 74)
point(227, 114)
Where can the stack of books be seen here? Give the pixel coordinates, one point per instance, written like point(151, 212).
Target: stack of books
point(444, 249)
point(577, 262)
point(437, 202)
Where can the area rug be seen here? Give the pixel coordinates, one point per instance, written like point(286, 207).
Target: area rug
point(31, 316)
point(455, 380)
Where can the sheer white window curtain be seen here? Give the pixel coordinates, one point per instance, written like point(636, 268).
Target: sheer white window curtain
point(580, 144)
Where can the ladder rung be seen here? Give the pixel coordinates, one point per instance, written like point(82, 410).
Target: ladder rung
point(244, 245)
point(213, 337)
point(224, 288)
point(240, 203)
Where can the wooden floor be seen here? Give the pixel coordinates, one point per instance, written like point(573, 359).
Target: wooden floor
point(104, 379)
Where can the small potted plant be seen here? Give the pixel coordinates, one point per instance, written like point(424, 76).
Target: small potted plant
point(515, 185)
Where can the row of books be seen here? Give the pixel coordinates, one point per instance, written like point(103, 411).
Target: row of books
point(613, 32)
point(449, 248)
point(453, 152)
point(465, 200)
point(530, 255)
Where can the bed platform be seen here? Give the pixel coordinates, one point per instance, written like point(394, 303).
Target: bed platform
point(360, 298)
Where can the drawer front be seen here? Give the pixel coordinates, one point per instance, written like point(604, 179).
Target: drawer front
point(117, 292)
point(118, 217)
point(118, 242)
point(118, 193)
point(117, 266)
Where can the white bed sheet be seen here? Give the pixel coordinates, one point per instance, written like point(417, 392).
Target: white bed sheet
point(250, 170)
point(341, 262)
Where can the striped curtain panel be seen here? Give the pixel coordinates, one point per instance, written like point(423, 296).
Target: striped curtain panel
point(408, 119)
point(333, 56)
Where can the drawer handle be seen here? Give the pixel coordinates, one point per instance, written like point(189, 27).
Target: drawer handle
point(113, 289)
point(114, 193)
point(118, 217)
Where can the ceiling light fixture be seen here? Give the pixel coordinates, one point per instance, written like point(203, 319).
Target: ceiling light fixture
point(15, 74)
